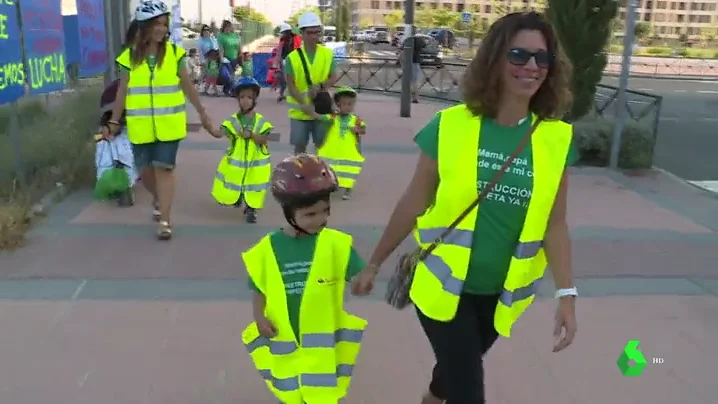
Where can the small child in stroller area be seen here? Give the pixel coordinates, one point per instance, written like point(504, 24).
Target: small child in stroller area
point(211, 72)
point(115, 152)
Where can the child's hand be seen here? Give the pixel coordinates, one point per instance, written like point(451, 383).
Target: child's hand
point(266, 328)
point(363, 283)
point(247, 134)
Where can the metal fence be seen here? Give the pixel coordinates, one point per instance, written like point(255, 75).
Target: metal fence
point(442, 83)
point(253, 30)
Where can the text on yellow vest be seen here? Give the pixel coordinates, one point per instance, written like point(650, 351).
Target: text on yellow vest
point(439, 279)
point(340, 151)
point(319, 69)
point(246, 167)
point(155, 104)
point(317, 365)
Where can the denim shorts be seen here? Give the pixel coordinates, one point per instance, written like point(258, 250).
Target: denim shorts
point(300, 132)
point(157, 154)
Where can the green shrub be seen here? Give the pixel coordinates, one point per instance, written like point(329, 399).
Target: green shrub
point(593, 137)
point(657, 51)
point(56, 144)
point(683, 52)
point(28, 111)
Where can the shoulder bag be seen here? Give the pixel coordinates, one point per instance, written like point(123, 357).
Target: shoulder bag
point(397, 291)
point(322, 101)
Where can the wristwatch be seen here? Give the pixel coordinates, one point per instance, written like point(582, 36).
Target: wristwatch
point(566, 292)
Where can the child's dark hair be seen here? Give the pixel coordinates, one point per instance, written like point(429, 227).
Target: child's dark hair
point(290, 208)
point(338, 96)
point(211, 54)
point(193, 52)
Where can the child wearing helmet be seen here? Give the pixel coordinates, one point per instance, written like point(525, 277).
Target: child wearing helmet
point(302, 340)
point(243, 174)
point(342, 146)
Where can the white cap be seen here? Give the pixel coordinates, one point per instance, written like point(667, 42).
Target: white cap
point(284, 27)
point(309, 19)
point(149, 9)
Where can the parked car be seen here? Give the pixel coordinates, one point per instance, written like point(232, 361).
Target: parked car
point(431, 54)
point(380, 37)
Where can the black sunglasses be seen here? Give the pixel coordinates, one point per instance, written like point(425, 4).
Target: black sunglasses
point(521, 57)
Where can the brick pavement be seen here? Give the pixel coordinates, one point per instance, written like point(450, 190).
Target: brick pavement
point(95, 310)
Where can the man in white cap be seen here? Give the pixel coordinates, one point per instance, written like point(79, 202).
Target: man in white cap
point(309, 70)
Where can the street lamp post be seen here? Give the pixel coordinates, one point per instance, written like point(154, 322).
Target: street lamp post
point(407, 66)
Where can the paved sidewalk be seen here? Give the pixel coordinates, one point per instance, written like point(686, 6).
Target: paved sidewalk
point(95, 310)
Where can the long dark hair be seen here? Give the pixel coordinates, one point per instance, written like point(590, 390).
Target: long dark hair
point(131, 34)
point(482, 84)
point(142, 43)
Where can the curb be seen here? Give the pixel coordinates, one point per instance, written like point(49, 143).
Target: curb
point(47, 202)
point(687, 183)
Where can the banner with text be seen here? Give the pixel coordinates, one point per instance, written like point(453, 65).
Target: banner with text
point(44, 45)
point(93, 48)
point(12, 67)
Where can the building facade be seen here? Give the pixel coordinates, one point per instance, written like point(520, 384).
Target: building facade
point(669, 19)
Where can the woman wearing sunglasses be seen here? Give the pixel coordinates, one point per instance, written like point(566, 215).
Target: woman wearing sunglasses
point(482, 276)
point(207, 42)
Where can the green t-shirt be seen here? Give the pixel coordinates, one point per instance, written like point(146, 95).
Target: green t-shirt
point(294, 259)
point(289, 69)
point(229, 42)
point(502, 214)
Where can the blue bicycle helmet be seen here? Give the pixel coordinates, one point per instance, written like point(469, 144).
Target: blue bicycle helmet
point(246, 82)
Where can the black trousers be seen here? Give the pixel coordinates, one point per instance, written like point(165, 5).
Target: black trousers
point(459, 346)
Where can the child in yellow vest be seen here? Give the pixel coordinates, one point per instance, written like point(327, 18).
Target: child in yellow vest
point(302, 341)
point(243, 174)
point(342, 146)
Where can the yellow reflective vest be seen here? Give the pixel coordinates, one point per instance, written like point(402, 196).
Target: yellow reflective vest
point(340, 151)
point(155, 104)
point(319, 69)
point(246, 168)
point(439, 279)
point(316, 367)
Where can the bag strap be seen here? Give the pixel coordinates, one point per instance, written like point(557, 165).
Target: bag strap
point(484, 192)
point(304, 66)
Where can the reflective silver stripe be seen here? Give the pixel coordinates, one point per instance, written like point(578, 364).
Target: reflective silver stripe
point(258, 127)
point(153, 90)
point(297, 104)
point(249, 164)
point(528, 249)
point(442, 272)
point(308, 379)
point(508, 298)
point(464, 238)
point(340, 162)
point(142, 112)
point(327, 340)
point(341, 174)
point(238, 126)
point(238, 187)
point(275, 347)
point(457, 237)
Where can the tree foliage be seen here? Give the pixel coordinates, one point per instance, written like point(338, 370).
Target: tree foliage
point(584, 29)
point(394, 19)
point(343, 20)
point(247, 13)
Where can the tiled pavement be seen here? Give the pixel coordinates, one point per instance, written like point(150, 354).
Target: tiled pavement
point(94, 310)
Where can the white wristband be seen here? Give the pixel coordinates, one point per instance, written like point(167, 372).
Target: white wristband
point(566, 292)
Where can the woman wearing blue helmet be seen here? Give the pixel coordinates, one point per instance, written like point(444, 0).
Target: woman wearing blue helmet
point(244, 173)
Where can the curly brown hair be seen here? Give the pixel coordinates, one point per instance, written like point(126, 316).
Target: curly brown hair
point(482, 81)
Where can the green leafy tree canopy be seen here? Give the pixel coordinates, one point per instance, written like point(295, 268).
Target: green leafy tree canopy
point(247, 13)
point(584, 30)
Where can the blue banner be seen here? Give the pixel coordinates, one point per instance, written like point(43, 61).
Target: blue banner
point(44, 45)
point(12, 67)
point(93, 48)
point(72, 39)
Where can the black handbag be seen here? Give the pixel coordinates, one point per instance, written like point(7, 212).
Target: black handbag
point(323, 100)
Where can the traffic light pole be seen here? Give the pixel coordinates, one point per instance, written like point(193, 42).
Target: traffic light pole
point(407, 61)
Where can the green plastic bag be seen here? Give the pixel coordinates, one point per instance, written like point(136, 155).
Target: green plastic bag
point(113, 181)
